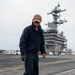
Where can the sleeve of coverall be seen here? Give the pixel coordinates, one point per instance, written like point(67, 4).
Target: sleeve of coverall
point(42, 49)
point(23, 42)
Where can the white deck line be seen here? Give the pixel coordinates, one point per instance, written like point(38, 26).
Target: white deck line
point(69, 72)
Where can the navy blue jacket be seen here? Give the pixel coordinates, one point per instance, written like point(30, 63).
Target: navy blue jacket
point(32, 40)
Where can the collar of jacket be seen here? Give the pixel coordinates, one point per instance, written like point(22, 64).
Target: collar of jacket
point(39, 28)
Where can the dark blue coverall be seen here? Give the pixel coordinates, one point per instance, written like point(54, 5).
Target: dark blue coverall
point(31, 42)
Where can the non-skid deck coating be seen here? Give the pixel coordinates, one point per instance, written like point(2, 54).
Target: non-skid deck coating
point(51, 65)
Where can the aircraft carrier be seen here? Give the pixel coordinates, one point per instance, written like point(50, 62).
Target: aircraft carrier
point(11, 64)
point(55, 42)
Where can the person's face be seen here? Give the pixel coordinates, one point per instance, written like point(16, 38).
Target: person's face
point(36, 24)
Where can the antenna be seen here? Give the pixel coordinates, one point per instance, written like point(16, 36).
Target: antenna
point(56, 15)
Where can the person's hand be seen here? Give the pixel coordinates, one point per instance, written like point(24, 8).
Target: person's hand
point(23, 57)
point(43, 55)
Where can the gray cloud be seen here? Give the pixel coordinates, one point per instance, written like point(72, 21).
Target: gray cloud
point(15, 15)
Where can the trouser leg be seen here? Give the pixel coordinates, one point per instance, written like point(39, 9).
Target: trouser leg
point(36, 67)
point(29, 64)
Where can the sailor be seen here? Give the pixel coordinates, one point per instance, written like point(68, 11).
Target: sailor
point(31, 42)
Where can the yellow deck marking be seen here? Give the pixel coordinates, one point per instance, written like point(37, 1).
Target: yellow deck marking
point(2, 70)
point(56, 62)
point(21, 66)
point(13, 68)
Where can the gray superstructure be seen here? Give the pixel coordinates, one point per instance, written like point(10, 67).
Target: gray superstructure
point(54, 41)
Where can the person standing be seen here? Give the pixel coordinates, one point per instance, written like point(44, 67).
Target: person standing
point(31, 42)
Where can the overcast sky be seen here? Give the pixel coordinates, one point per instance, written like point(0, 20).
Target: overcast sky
point(15, 15)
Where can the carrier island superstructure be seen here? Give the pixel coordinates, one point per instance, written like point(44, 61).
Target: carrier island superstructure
point(55, 42)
